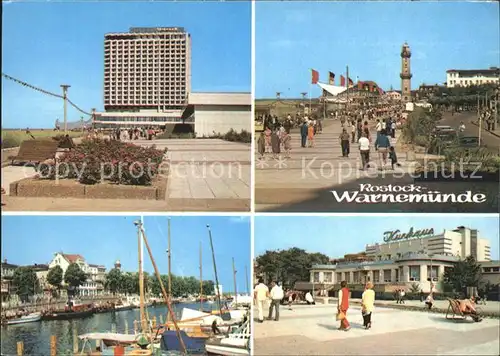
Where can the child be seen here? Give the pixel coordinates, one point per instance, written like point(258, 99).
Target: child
point(393, 157)
point(261, 145)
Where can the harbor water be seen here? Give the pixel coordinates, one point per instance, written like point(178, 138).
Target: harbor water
point(36, 335)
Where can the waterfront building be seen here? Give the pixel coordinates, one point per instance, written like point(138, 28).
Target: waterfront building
point(393, 95)
point(405, 260)
point(469, 77)
point(93, 286)
point(7, 287)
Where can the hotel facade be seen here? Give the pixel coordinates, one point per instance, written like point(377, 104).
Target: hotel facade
point(147, 83)
point(404, 259)
point(470, 77)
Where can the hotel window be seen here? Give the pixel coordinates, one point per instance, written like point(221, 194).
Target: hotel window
point(316, 277)
point(376, 276)
point(414, 273)
point(356, 277)
point(339, 277)
point(387, 276)
point(328, 277)
point(435, 271)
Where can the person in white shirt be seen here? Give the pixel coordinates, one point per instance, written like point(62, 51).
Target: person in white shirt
point(364, 150)
point(310, 299)
point(277, 295)
point(378, 127)
point(260, 294)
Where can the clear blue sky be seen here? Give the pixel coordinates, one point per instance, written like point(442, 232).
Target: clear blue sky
point(336, 236)
point(292, 37)
point(103, 240)
point(51, 43)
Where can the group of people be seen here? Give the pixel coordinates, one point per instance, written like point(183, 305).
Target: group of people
point(134, 133)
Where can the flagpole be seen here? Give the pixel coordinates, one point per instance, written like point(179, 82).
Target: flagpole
point(347, 92)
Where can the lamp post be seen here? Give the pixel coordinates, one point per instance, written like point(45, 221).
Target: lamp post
point(65, 97)
point(304, 101)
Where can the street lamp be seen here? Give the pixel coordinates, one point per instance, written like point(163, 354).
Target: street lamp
point(65, 97)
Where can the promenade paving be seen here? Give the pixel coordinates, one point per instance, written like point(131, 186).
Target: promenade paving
point(205, 175)
point(306, 181)
point(312, 330)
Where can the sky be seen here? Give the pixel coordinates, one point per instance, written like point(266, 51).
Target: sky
point(294, 37)
point(104, 239)
point(51, 43)
point(336, 236)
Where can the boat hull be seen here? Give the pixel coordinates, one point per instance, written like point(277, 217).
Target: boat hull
point(68, 315)
point(226, 350)
point(24, 320)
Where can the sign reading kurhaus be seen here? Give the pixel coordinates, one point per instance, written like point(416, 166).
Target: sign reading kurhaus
point(396, 234)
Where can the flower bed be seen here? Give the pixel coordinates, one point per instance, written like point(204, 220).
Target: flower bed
point(96, 161)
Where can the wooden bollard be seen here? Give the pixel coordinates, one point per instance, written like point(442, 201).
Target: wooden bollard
point(75, 341)
point(161, 319)
point(154, 322)
point(53, 345)
point(20, 348)
point(126, 326)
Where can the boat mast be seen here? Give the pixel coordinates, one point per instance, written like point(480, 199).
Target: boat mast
point(201, 281)
point(246, 280)
point(141, 276)
point(164, 292)
point(217, 290)
point(234, 280)
point(169, 268)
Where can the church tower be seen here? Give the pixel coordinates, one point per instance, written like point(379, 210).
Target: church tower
point(405, 73)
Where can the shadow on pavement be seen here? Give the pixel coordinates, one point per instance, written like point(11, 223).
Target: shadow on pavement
point(443, 320)
point(324, 201)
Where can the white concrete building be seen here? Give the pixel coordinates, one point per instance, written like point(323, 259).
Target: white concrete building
point(214, 113)
point(393, 95)
point(93, 286)
point(468, 77)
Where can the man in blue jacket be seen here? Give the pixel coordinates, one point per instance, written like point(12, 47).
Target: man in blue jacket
point(382, 145)
point(303, 133)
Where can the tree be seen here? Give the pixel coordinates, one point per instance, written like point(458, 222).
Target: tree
point(55, 277)
point(289, 266)
point(465, 273)
point(26, 282)
point(113, 281)
point(74, 277)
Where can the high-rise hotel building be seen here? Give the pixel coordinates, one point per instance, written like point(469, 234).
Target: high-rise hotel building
point(147, 76)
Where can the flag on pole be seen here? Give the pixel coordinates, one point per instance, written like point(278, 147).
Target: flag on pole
point(331, 78)
point(342, 81)
point(314, 76)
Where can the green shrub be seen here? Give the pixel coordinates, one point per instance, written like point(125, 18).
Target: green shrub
point(10, 141)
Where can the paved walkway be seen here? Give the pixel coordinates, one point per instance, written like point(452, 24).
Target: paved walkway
point(309, 170)
point(205, 175)
point(312, 330)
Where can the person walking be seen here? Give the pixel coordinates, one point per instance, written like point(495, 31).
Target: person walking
point(309, 299)
point(310, 135)
point(367, 305)
point(276, 297)
point(378, 127)
point(393, 157)
point(364, 150)
point(303, 134)
point(261, 145)
point(275, 144)
point(382, 145)
point(343, 306)
point(260, 295)
point(353, 131)
point(268, 133)
point(344, 143)
point(287, 144)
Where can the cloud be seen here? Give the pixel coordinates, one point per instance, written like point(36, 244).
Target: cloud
point(239, 219)
point(297, 16)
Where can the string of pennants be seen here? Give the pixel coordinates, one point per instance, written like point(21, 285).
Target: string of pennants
point(368, 86)
point(43, 91)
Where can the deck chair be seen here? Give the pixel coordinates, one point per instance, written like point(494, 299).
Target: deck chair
point(454, 312)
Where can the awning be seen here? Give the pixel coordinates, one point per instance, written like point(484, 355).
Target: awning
point(332, 89)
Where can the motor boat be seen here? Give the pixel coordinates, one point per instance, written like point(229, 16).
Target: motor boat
point(30, 318)
point(236, 343)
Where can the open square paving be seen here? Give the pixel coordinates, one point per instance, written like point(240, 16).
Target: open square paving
point(312, 330)
point(205, 175)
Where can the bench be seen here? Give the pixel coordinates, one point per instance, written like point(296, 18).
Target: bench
point(454, 312)
point(35, 151)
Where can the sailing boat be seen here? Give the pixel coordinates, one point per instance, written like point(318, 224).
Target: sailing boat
point(237, 342)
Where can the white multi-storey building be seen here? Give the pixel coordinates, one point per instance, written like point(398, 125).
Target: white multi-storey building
point(469, 77)
point(403, 259)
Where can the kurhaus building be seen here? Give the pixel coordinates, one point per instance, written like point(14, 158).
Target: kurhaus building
point(402, 259)
point(147, 83)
